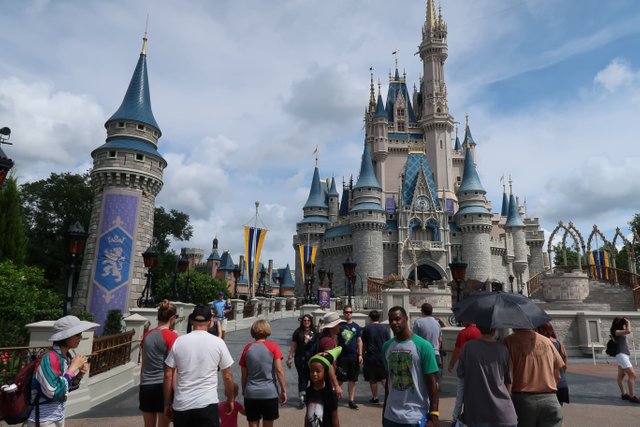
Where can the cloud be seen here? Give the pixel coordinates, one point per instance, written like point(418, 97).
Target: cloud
point(616, 75)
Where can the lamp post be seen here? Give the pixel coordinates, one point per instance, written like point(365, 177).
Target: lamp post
point(261, 286)
point(77, 237)
point(321, 274)
point(236, 276)
point(280, 281)
point(458, 270)
point(350, 273)
point(511, 282)
point(149, 257)
point(330, 279)
point(175, 282)
point(183, 265)
point(308, 270)
point(5, 163)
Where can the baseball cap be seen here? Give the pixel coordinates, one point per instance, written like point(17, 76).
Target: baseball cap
point(201, 313)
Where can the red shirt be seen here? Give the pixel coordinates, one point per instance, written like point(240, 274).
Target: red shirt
point(467, 334)
point(229, 420)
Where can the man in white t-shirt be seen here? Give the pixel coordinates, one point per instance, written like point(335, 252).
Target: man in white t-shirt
point(197, 357)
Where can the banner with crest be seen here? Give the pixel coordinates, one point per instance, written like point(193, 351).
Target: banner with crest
point(307, 253)
point(253, 240)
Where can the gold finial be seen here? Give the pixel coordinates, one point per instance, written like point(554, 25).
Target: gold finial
point(510, 186)
point(504, 185)
point(467, 119)
point(372, 98)
point(431, 14)
point(456, 130)
point(379, 88)
point(144, 39)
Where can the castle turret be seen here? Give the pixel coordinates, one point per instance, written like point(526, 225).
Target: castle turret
point(126, 177)
point(213, 261)
point(516, 228)
point(367, 219)
point(333, 201)
point(379, 137)
point(433, 113)
point(474, 219)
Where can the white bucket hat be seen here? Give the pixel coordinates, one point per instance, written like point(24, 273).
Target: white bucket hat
point(330, 320)
point(68, 326)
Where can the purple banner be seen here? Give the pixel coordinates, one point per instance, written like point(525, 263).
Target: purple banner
point(324, 297)
point(114, 256)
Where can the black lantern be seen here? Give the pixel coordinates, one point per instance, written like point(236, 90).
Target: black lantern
point(150, 256)
point(5, 163)
point(308, 271)
point(321, 274)
point(350, 273)
point(511, 282)
point(330, 279)
point(76, 237)
point(261, 285)
point(458, 270)
point(236, 276)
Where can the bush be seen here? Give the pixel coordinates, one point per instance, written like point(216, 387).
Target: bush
point(113, 324)
point(25, 300)
point(202, 288)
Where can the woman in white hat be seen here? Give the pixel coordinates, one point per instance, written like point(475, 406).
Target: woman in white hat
point(329, 329)
point(59, 372)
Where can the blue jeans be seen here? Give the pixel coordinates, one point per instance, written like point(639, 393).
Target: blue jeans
point(457, 408)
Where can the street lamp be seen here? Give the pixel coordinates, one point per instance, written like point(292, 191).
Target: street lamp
point(350, 273)
point(330, 279)
point(236, 276)
point(280, 281)
point(458, 270)
point(149, 257)
point(511, 282)
point(308, 269)
point(261, 286)
point(5, 163)
point(183, 265)
point(77, 237)
point(321, 274)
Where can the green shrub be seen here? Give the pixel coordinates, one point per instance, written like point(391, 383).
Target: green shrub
point(113, 324)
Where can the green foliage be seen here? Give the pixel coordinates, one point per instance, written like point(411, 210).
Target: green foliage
point(13, 240)
point(50, 207)
point(83, 315)
point(202, 287)
point(25, 300)
point(173, 223)
point(113, 324)
point(558, 256)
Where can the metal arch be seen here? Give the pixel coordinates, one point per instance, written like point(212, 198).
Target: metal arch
point(573, 227)
point(596, 232)
point(626, 242)
point(553, 234)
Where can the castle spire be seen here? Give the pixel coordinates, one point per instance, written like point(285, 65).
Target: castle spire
point(143, 51)
point(136, 105)
point(367, 177)
point(514, 220)
point(430, 22)
point(470, 177)
point(372, 97)
point(504, 211)
point(316, 197)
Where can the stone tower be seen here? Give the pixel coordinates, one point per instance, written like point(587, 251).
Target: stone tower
point(367, 219)
point(515, 227)
point(474, 219)
point(213, 261)
point(126, 177)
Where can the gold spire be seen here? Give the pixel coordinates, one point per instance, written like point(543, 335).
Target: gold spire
point(467, 120)
point(379, 88)
point(431, 15)
point(510, 186)
point(456, 130)
point(144, 39)
point(372, 98)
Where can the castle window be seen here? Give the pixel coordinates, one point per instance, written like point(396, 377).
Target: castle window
point(370, 212)
point(458, 178)
point(120, 124)
point(441, 146)
point(140, 157)
point(140, 127)
point(401, 127)
point(112, 154)
point(438, 110)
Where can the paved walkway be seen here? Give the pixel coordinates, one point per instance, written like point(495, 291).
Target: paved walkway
point(594, 395)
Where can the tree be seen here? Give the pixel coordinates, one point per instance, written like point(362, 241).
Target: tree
point(558, 256)
point(13, 240)
point(50, 207)
point(173, 224)
point(22, 289)
point(202, 288)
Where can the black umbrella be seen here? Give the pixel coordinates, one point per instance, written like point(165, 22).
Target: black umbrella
point(500, 310)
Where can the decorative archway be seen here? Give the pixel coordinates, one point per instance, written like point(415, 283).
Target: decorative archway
point(578, 242)
point(631, 253)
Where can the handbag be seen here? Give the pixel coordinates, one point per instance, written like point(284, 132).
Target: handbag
point(612, 347)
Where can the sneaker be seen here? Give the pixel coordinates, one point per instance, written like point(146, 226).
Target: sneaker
point(353, 405)
point(625, 397)
point(300, 405)
point(374, 400)
point(634, 399)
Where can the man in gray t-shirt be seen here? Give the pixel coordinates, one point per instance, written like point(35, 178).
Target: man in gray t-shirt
point(428, 328)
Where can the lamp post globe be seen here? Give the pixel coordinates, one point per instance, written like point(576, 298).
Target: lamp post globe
point(349, 267)
point(458, 270)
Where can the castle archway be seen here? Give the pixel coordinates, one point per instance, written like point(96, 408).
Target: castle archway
point(427, 273)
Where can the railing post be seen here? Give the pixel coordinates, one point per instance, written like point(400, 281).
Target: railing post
point(137, 323)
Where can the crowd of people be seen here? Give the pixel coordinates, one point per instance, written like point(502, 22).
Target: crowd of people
point(518, 380)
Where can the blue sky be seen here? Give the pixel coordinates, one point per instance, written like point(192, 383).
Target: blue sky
point(244, 90)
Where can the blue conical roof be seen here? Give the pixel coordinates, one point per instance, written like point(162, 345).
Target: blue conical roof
point(513, 220)
point(470, 178)
point(367, 176)
point(344, 203)
point(505, 205)
point(214, 256)
point(380, 112)
point(316, 193)
point(468, 139)
point(417, 163)
point(333, 191)
point(287, 282)
point(136, 104)
point(457, 146)
point(226, 263)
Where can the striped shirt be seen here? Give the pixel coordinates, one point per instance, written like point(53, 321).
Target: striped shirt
point(53, 382)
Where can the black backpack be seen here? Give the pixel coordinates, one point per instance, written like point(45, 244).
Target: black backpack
point(612, 347)
point(17, 403)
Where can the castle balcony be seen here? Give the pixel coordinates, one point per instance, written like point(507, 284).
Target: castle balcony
point(425, 245)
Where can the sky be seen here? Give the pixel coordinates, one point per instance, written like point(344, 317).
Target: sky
point(243, 92)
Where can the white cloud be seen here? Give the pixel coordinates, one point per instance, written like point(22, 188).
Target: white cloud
point(616, 75)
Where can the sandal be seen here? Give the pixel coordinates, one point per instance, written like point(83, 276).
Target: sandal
point(634, 399)
point(625, 397)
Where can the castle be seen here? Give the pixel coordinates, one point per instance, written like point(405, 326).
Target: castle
point(418, 203)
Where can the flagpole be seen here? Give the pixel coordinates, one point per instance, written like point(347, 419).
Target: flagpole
point(255, 254)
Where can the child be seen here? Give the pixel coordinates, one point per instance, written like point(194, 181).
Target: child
point(321, 399)
point(230, 420)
